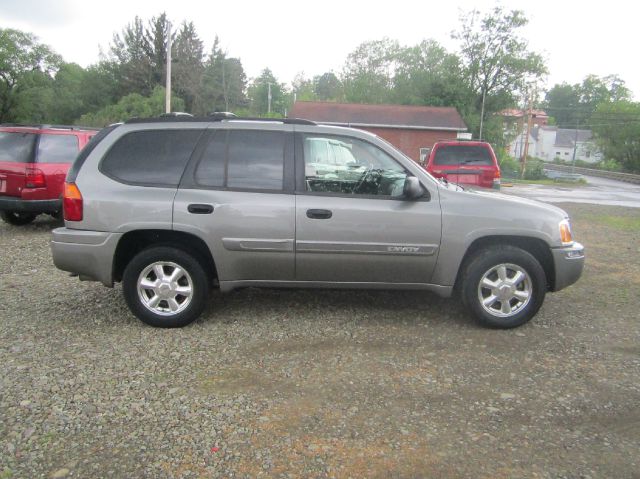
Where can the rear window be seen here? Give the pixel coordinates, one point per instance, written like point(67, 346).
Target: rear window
point(150, 158)
point(16, 147)
point(57, 148)
point(463, 155)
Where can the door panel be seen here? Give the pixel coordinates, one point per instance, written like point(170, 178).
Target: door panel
point(366, 240)
point(250, 235)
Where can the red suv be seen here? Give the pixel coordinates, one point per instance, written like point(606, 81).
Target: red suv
point(34, 160)
point(465, 162)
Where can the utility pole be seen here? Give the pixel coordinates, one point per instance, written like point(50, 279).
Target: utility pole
point(525, 153)
point(269, 99)
point(167, 103)
point(575, 147)
point(482, 112)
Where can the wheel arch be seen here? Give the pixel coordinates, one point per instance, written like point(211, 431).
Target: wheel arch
point(538, 248)
point(133, 242)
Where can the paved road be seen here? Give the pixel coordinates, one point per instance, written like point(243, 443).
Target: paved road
point(598, 191)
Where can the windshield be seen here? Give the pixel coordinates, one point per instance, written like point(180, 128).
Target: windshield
point(16, 147)
point(463, 154)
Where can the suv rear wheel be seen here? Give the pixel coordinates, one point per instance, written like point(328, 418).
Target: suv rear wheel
point(16, 218)
point(165, 287)
point(503, 286)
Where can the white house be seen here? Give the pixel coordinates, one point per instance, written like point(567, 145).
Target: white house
point(550, 142)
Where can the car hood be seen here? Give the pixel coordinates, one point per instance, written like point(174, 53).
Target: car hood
point(472, 212)
point(491, 197)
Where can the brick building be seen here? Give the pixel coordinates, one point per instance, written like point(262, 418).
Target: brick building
point(411, 129)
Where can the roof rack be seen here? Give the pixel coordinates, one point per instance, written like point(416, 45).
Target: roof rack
point(222, 116)
point(44, 125)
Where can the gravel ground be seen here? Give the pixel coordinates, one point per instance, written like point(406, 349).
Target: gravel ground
point(321, 383)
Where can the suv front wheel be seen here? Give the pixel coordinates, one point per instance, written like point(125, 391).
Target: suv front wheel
point(503, 286)
point(165, 287)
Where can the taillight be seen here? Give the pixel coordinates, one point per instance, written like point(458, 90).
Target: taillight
point(497, 173)
point(72, 202)
point(35, 178)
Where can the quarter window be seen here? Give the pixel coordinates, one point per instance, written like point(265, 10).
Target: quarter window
point(151, 157)
point(350, 166)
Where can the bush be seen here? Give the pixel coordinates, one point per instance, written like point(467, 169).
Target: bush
point(534, 169)
point(509, 167)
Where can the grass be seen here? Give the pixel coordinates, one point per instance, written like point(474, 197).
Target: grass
point(546, 181)
point(624, 223)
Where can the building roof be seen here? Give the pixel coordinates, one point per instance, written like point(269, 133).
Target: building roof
point(565, 137)
point(382, 116)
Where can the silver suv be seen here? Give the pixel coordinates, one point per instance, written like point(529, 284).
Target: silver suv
point(172, 207)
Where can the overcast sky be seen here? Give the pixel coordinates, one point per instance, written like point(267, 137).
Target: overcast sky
point(576, 37)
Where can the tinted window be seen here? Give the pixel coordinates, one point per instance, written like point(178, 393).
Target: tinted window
point(152, 157)
point(256, 160)
point(462, 154)
point(16, 147)
point(86, 151)
point(210, 169)
point(350, 166)
point(57, 148)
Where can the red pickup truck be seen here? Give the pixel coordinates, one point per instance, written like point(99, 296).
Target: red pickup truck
point(34, 160)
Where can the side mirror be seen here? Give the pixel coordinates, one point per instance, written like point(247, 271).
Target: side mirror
point(412, 189)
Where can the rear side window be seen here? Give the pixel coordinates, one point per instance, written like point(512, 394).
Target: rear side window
point(243, 159)
point(151, 157)
point(57, 148)
point(256, 160)
point(462, 155)
point(16, 147)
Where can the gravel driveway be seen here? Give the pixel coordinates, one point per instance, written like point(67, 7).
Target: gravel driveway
point(321, 383)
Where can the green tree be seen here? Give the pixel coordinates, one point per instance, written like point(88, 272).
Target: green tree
point(139, 55)
point(133, 105)
point(99, 86)
point(368, 73)
point(223, 83)
point(618, 132)
point(328, 87)
point(258, 93)
point(24, 63)
point(187, 70)
point(303, 88)
point(574, 105)
point(426, 74)
point(497, 62)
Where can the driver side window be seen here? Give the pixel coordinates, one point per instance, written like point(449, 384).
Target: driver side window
point(349, 166)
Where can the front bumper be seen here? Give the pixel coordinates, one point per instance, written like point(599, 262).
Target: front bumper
point(10, 203)
point(568, 263)
point(88, 254)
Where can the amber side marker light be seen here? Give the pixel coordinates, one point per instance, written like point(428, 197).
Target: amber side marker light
point(565, 232)
point(72, 202)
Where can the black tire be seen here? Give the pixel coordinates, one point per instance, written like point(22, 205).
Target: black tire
point(17, 218)
point(195, 276)
point(517, 311)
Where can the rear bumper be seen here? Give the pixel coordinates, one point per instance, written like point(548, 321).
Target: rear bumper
point(8, 203)
point(568, 263)
point(88, 254)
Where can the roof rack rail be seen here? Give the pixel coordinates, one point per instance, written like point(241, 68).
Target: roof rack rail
point(46, 125)
point(218, 116)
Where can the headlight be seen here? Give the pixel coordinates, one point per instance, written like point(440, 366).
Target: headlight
point(565, 232)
